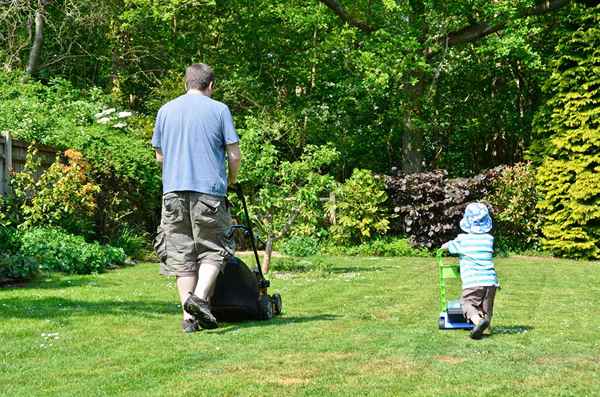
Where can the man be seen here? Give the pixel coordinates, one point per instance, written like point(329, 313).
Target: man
point(192, 135)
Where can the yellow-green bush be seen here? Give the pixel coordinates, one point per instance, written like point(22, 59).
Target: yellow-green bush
point(358, 208)
point(569, 177)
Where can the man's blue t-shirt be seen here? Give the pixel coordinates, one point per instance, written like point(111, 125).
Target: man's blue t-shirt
point(192, 131)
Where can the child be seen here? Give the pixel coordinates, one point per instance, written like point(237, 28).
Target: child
point(479, 282)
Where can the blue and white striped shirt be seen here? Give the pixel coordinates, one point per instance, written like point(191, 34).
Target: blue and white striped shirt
point(475, 253)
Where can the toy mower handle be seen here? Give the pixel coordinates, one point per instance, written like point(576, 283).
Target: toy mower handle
point(439, 256)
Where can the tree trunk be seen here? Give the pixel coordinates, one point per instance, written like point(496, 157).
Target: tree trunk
point(267, 256)
point(413, 137)
point(412, 145)
point(38, 40)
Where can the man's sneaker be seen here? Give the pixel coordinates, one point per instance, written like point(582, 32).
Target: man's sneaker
point(477, 332)
point(189, 326)
point(200, 309)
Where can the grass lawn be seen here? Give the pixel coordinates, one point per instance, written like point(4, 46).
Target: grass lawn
point(368, 327)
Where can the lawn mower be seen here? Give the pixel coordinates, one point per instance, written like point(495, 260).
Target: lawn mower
point(240, 293)
point(451, 315)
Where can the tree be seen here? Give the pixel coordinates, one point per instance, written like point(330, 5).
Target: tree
point(569, 176)
point(429, 30)
point(286, 193)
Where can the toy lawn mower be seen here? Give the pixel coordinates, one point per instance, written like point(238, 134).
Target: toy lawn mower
point(451, 315)
point(240, 293)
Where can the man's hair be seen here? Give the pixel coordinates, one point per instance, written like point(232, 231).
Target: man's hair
point(198, 76)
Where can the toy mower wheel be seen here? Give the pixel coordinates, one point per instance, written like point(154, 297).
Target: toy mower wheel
point(441, 323)
point(277, 304)
point(265, 307)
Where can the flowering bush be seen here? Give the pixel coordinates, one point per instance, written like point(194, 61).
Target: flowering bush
point(63, 196)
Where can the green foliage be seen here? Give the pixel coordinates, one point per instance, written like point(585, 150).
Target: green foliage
point(514, 199)
point(56, 250)
point(569, 177)
point(132, 242)
point(358, 208)
point(299, 63)
point(387, 246)
point(300, 246)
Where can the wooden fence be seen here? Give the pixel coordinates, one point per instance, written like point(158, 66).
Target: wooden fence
point(13, 154)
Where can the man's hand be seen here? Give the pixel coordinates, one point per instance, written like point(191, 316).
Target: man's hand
point(159, 155)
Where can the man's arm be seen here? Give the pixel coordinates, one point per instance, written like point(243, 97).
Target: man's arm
point(234, 159)
point(159, 155)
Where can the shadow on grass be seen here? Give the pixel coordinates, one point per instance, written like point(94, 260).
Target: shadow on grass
point(51, 308)
point(279, 320)
point(510, 330)
point(55, 282)
point(359, 269)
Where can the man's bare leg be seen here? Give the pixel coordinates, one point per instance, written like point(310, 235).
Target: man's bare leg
point(185, 285)
point(207, 278)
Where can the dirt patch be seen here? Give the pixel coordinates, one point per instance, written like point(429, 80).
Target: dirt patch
point(450, 359)
point(291, 381)
point(557, 360)
point(388, 365)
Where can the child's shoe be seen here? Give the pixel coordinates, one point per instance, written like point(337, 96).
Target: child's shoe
point(477, 331)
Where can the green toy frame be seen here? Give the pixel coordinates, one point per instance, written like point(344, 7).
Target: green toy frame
point(446, 271)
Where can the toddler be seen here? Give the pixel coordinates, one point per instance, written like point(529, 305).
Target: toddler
point(479, 281)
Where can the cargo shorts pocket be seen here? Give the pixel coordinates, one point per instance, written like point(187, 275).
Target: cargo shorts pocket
point(172, 208)
point(210, 207)
point(160, 245)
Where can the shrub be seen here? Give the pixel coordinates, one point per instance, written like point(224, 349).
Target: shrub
point(569, 177)
point(358, 211)
point(428, 206)
point(13, 265)
point(16, 267)
point(314, 264)
point(300, 246)
point(514, 199)
point(387, 246)
point(56, 250)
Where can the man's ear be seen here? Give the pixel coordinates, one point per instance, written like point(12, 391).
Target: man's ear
point(211, 85)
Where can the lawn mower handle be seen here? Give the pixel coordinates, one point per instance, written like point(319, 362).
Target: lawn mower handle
point(238, 190)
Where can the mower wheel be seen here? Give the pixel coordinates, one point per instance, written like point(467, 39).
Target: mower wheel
point(277, 304)
point(265, 308)
point(441, 323)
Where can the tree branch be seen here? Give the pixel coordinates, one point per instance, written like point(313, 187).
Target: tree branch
point(36, 48)
point(468, 34)
point(345, 16)
point(479, 30)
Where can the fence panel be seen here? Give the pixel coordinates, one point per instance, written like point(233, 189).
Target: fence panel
point(13, 155)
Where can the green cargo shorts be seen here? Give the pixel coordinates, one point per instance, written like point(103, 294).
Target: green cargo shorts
point(192, 233)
